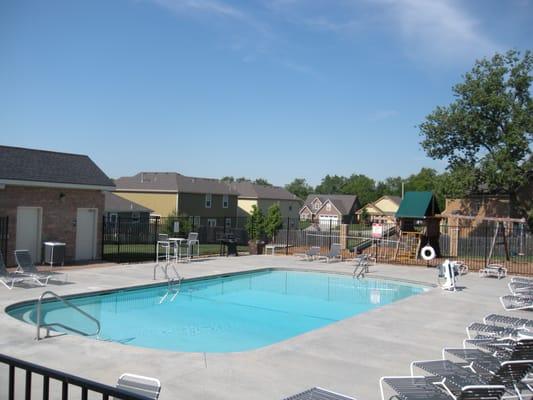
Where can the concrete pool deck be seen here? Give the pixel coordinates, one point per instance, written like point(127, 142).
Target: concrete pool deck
point(347, 357)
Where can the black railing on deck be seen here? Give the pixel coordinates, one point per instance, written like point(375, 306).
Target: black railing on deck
point(67, 382)
point(4, 226)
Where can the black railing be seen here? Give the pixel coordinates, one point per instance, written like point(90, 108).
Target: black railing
point(66, 381)
point(127, 240)
point(4, 226)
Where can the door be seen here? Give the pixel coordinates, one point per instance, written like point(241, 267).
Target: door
point(29, 223)
point(86, 233)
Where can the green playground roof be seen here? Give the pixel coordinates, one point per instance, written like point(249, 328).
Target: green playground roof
point(418, 205)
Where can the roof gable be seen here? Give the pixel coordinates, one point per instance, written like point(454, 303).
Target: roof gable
point(343, 202)
point(49, 167)
point(418, 205)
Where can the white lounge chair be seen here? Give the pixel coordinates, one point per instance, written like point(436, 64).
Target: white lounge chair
point(310, 254)
point(141, 385)
point(27, 268)
point(497, 270)
point(8, 279)
point(513, 303)
point(334, 253)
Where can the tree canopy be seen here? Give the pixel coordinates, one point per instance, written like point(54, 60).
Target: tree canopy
point(299, 187)
point(486, 133)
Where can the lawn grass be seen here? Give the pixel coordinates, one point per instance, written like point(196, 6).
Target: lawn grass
point(149, 249)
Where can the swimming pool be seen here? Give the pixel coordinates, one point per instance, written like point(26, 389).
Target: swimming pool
point(230, 313)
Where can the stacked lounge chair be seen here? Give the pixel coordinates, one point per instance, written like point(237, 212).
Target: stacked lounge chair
point(8, 279)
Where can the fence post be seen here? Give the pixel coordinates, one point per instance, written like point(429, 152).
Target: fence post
point(156, 234)
point(287, 237)
point(330, 231)
point(118, 239)
point(102, 239)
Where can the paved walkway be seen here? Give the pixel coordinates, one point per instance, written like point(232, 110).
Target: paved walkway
point(348, 356)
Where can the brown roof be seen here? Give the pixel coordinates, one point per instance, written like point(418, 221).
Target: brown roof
point(114, 203)
point(343, 202)
point(255, 191)
point(172, 182)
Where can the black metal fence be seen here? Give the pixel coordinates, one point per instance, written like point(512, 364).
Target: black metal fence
point(126, 240)
point(131, 240)
point(4, 229)
point(46, 383)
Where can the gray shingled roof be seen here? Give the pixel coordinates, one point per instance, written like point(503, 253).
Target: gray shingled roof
point(22, 164)
point(114, 203)
point(343, 202)
point(254, 191)
point(173, 182)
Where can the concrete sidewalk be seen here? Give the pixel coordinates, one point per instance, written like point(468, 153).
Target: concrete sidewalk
point(348, 356)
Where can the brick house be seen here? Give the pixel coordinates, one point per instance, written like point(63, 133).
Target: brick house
point(330, 208)
point(51, 196)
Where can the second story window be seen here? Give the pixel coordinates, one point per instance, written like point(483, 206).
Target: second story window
point(225, 201)
point(208, 200)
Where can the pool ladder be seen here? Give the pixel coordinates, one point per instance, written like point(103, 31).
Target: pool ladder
point(173, 283)
point(41, 324)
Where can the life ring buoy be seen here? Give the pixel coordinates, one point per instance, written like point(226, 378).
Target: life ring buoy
point(428, 253)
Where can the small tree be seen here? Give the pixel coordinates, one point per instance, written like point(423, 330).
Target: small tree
point(255, 225)
point(168, 223)
point(273, 221)
point(364, 216)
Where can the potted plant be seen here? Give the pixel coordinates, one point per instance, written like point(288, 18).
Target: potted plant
point(255, 227)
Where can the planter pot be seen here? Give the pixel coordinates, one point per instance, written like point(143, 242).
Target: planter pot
point(256, 247)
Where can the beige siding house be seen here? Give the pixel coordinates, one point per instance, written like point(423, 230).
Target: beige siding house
point(170, 192)
point(262, 196)
point(382, 210)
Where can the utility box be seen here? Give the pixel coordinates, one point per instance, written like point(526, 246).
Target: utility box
point(54, 253)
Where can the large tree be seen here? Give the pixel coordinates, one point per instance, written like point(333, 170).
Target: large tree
point(486, 133)
point(362, 186)
point(331, 185)
point(299, 187)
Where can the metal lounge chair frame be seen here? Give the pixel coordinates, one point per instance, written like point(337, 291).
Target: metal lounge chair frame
point(513, 303)
point(509, 374)
point(423, 387)
point(318, 393)
point(310, 254)
point(335, 252)
point(8, 279)
point(140, 385)
point(27, 268)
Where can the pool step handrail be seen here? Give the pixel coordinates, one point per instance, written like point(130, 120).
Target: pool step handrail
point(40, 323)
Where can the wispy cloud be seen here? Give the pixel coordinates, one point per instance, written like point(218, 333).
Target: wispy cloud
point(381, 115)
point(437, 30)
point(433, 31)
point(202, 6)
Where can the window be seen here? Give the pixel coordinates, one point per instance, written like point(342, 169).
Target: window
point(317, 205)
point(328, 207)
point(112, 218)
point(194, 221)
point(290, 208)
point(227, 222)
point(225, 201)
point(135, 217)
point(208, 199)
point(211, 222)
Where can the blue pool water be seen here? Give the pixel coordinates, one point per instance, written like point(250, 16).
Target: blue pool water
point(232, 313)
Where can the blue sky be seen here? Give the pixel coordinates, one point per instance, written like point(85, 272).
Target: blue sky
point(276, 89)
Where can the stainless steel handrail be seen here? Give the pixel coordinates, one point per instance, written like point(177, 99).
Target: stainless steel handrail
point(40, 324)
